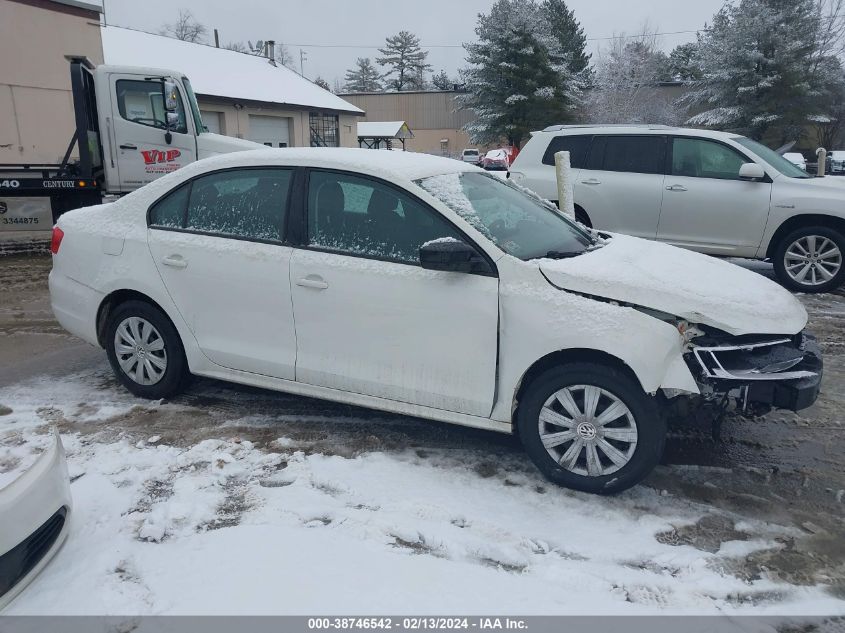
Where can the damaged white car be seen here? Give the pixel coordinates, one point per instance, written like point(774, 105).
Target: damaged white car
point(423, 286)
point(35, 507)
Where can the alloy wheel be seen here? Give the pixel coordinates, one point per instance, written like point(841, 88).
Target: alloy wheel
point(588, 430)
point(140, 350)
point(812, 260)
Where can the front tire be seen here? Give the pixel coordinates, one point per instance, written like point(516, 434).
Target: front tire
point(591, 427)
point(145, 351)
point(809, 259)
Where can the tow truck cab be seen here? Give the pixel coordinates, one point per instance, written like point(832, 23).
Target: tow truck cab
point(133, 125)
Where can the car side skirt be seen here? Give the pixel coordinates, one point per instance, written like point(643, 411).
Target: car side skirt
point(357, 399)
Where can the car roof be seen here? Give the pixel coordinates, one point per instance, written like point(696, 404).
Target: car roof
point(559, 130)
point(393, 165)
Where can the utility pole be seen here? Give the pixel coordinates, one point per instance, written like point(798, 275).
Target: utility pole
point(302, 57)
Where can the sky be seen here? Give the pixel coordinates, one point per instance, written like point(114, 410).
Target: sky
point(333, 33)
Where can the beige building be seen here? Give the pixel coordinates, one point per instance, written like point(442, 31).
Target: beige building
point(433, 116)
point(241, 95)
point(36, 106)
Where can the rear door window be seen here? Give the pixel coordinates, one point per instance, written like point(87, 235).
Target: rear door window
point(577, 145)
point(632, 154)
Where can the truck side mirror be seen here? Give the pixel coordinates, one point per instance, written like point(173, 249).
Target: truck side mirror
point(171, 96)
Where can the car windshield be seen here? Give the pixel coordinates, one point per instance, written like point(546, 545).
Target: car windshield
point(773, 158)
point(516, 221)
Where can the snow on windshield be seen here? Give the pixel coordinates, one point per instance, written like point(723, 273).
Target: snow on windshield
point(448, 189)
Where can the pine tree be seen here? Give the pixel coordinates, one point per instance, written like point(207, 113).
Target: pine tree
point(406, 62)
point(363, 78)
point(519, 77)
point(764, 70)
point(569, 34)
point(322, 83)
point(441, 81)
point(682, 62)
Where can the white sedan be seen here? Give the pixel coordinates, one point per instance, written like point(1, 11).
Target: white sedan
point(423, 286)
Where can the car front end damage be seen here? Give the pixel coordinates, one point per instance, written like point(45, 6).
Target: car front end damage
point(756, 373)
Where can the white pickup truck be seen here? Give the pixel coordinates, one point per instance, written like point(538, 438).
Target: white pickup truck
point(133, 125)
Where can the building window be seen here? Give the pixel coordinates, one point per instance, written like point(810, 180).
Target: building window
point(325, 130)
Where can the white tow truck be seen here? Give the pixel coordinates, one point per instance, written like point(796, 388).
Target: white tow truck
point(133, 125)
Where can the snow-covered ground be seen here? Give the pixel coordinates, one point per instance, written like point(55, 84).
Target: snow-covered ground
point(216, 524)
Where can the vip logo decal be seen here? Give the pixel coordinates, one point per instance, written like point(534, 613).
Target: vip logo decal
point(154, 156)
point(159, 162)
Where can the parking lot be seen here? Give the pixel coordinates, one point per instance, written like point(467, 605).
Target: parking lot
point(757, 519)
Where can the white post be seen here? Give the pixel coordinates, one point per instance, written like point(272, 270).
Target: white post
point(565, 197)
point(821, 155)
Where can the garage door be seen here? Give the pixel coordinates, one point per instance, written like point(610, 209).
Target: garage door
point(273, 131)
point(211, 120)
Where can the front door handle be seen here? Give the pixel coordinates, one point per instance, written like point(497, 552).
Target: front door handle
point(128, 146)
point(591, 181)
point(312, 281)
point(174, 261)
point(676, 188)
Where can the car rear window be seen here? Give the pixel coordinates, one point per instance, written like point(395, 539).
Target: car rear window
point(632, 154)
point(576, 145)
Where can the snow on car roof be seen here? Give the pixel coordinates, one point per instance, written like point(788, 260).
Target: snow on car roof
point(218, 72)
point(389, 165)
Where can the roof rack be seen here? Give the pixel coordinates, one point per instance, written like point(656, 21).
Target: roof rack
point(648, 126)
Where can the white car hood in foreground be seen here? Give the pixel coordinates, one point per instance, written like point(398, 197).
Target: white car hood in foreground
point(695, 287)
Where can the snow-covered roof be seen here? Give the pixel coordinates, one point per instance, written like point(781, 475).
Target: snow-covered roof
point(218, 72)
point(384, 129)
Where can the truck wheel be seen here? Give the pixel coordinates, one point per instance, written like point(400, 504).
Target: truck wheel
point(809, 259)
point(591, 427)
point(145, 351)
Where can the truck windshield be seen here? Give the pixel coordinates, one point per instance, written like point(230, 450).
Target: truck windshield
point(195, 109)
point(773, 158)
point(518, 222)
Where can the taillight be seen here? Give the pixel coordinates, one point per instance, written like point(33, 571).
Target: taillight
point(56, 240)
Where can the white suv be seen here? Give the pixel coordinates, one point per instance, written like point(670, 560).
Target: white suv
point(424, 286)
point(713, 192)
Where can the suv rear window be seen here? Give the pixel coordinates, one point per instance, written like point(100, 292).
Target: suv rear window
point(577, 146)
point(633, 154)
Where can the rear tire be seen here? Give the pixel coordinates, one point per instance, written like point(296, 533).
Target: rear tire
point(810, 259)
point(605, 452)
point(145, 351)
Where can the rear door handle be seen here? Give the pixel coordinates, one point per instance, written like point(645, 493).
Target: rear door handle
point(676, 188)
point(312, 281)
point(174, 261)
point(591, 181)
point(128, 146)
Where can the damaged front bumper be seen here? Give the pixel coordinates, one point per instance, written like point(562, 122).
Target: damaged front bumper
point(782, 372)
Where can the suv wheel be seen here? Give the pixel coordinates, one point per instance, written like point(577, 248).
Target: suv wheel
point(591, 427)
point(809, 259)
point(145, 351)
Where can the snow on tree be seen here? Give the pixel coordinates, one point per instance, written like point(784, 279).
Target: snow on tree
point(767, 68)
point(365, 77)
point(322, 83)
point(625, 83)
point(518, 78)
point(442, 81)
point(405, 61)
point(185, 28)
point(569, 34)
point(682, 62)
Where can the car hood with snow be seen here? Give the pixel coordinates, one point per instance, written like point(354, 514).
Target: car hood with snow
point(695, 287)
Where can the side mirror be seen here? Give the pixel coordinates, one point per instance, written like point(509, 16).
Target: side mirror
point(751, 171)
point(451, 255)
point(171, 96)
point(172, 120)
